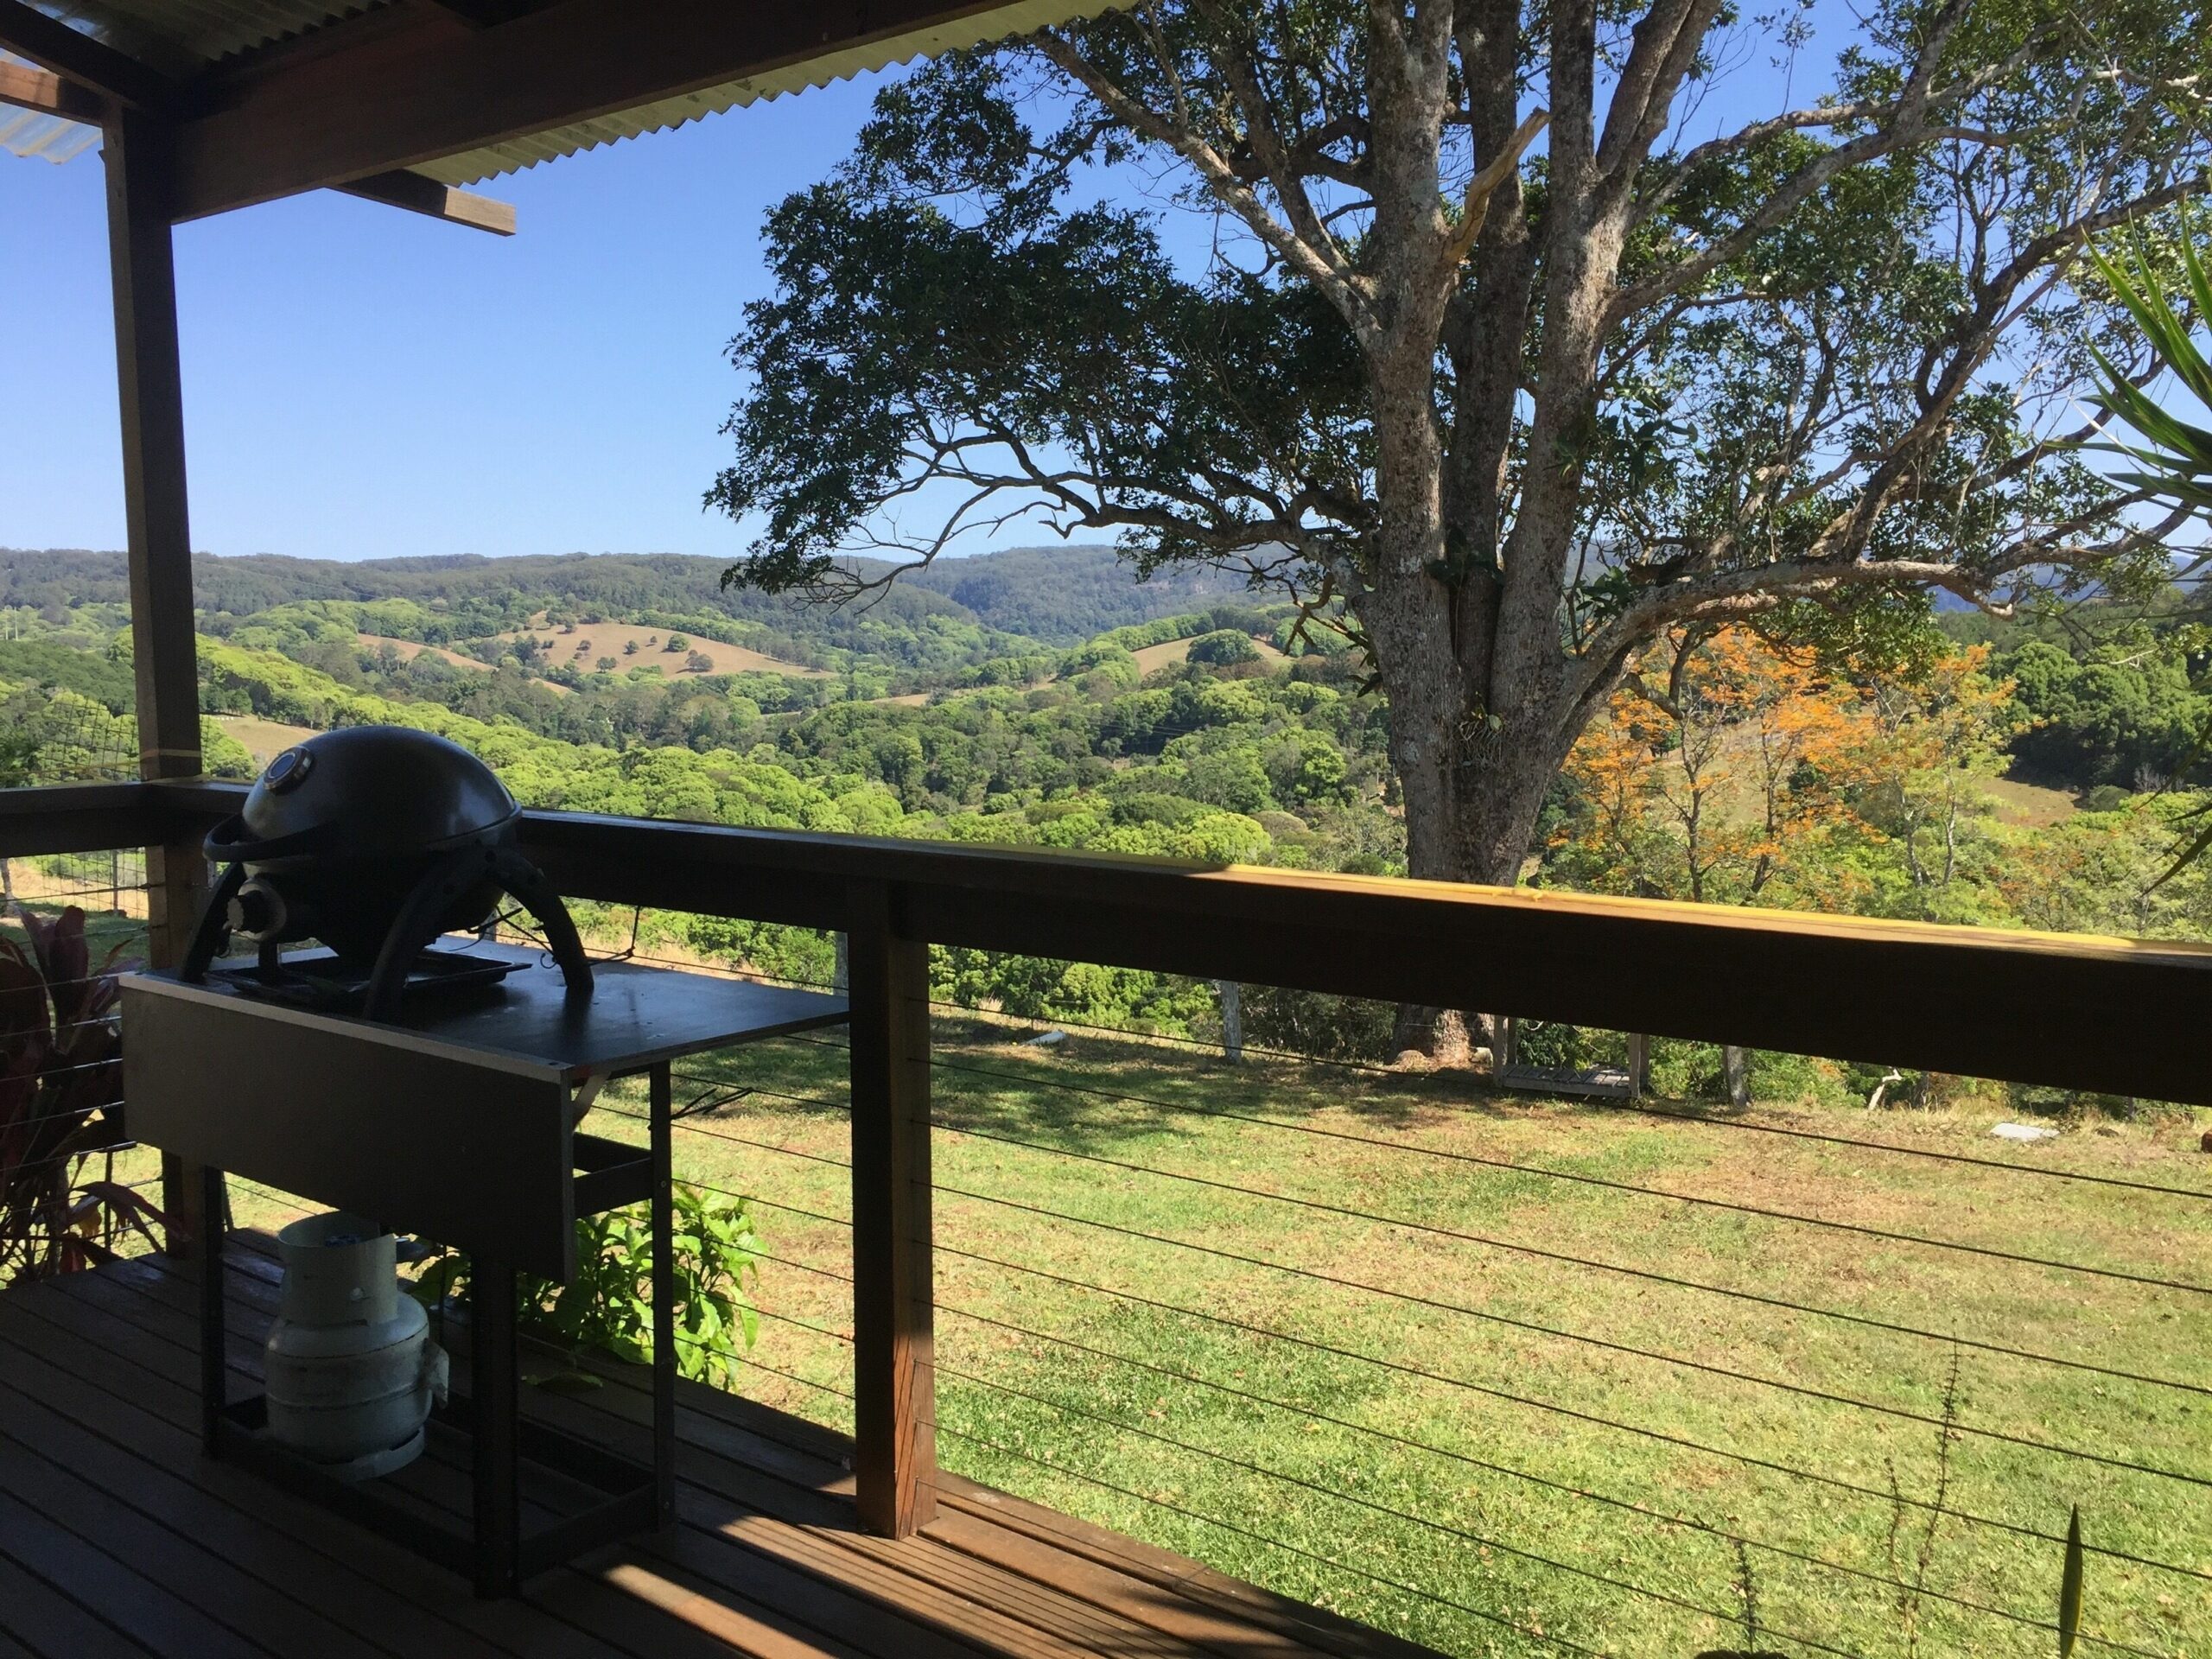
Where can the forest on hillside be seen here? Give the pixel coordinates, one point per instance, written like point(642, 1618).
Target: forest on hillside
point(2032, 773)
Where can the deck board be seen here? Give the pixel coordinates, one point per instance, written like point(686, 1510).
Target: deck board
point(118, 1537)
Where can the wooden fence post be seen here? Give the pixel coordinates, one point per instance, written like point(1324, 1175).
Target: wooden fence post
point(149, 387)
point(894, 1379)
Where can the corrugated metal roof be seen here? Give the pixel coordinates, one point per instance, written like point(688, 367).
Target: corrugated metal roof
point(50, 137)
point(181, 36)
point(1021, 17)
point(26, 132)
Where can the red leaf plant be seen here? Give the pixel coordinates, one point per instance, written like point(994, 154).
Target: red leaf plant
point(61, 1103)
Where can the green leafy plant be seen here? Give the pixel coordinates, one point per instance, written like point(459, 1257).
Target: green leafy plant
point(608, 1307)
point(61, 1103)
point(2174, 454)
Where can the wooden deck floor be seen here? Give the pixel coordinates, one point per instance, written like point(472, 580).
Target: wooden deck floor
point(119, 1538)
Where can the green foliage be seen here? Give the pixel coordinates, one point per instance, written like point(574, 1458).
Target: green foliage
point(2174, 454)
point(1223, 647)
point(1031, 988)
point(61, 1103)
point(49, 735)
point(607, 1308)
point(222, 755)
point(1065, 326)
point(1316, 1023)
point(2127, 714)
point(1060, 596)
point(103, 677)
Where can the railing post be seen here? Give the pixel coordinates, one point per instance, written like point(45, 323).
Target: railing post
point(894, 1379)
point(150, 389)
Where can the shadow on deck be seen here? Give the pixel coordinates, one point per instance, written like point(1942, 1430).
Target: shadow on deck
point(118, 1537)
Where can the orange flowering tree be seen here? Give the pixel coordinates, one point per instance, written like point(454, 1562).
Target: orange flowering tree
point(1732, 782)
point(1752, 773)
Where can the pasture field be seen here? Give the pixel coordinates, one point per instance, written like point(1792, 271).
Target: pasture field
point(608, 639)
point(409, 650)
point(1395, 1334)
point(1153, 658)
point(265, 740)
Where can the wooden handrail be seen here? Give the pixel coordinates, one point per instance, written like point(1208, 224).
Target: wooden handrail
point(2116, 1016)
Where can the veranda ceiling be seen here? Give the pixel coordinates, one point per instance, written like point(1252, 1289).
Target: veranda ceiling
point(182, 39)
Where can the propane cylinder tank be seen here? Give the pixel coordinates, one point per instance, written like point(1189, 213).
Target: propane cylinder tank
point(352, 1371)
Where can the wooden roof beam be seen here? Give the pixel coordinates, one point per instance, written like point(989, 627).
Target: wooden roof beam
point(48, 94)
point(420, 196)
point(43, 91)
point(423, 85)
point(93, 65)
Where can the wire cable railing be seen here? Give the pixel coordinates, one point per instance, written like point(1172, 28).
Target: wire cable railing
point(1036, 1319)
point(1785, 1552)
point(1669, 1112)
point(1889, 1326)
point(1273, 1335)
point(1827, 1396)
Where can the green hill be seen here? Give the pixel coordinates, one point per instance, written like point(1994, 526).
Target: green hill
point(958, 614)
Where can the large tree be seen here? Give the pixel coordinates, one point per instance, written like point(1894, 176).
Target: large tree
point(1478, 327)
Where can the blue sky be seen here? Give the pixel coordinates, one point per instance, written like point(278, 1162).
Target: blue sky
point(364, 383)
point(361, 382)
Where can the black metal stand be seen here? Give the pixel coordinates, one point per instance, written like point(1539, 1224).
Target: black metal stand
point(495, 1551)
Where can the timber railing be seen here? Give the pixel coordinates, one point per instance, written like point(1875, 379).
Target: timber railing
point(871, 1219)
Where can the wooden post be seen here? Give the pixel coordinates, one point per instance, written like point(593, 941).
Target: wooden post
point(1232, 1020)
point(149, 385)
point(894, 1380)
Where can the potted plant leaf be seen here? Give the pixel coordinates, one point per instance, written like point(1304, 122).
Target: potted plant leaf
point(61, 1103)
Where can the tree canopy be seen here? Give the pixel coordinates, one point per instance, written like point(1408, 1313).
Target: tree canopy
point(1495, 361)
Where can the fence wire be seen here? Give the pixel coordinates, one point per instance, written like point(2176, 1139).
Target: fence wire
point(1514, 1380)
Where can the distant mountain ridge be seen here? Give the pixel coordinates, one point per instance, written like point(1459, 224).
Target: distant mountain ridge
point(1064, 596)
point(1056, 596)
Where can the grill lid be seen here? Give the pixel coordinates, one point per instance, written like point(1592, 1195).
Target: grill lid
point(364, 794)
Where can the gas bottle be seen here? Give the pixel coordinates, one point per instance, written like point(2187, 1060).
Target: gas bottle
point(351, 1370)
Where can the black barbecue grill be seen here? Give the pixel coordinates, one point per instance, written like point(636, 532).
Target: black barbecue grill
point(454, 1116)
point(375, 841)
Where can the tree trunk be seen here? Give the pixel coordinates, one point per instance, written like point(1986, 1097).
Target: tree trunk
point(1736, 1075)
point(1472, 804)
point(1232, 1021)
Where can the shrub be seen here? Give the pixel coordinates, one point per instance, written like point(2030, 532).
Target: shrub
point(1326, 1026)
point(61, 1103)
point(1223, 648)
point(607, 1308)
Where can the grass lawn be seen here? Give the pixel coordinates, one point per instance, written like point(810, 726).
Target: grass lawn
point(1473, 1442)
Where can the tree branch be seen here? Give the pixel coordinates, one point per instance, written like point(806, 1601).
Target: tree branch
point(1486, 184)
point(1325, 267)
